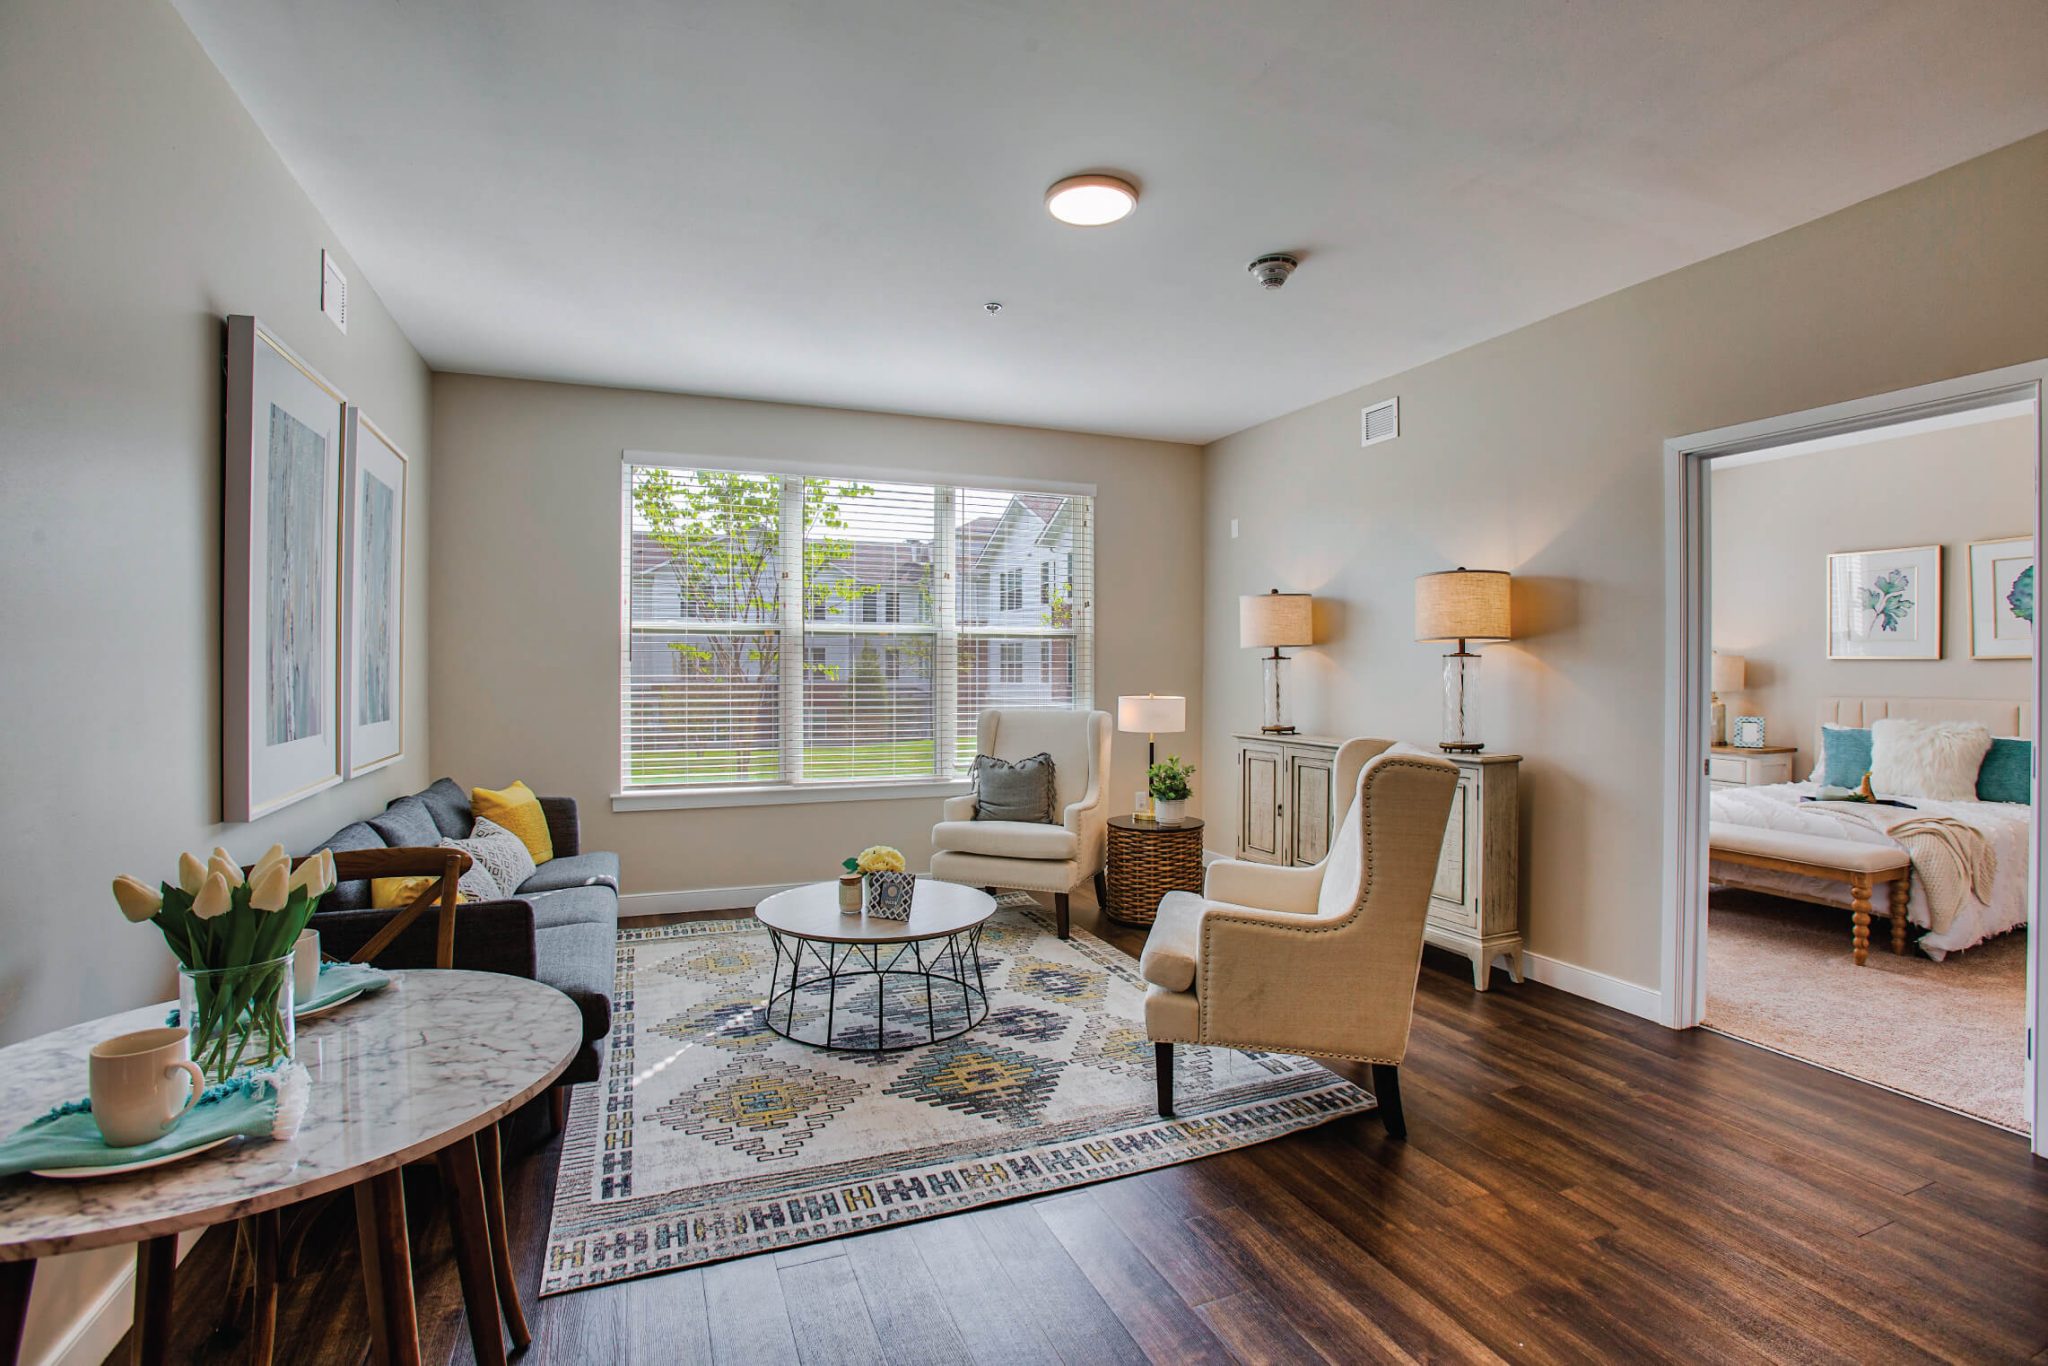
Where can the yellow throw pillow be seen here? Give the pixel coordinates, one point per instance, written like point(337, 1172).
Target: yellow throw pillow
point(396, 893)
point(518, 810)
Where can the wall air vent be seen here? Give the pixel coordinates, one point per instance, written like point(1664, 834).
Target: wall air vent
point(1380, 422)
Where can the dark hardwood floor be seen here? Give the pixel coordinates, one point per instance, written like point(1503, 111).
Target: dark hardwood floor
point(1577, 1185)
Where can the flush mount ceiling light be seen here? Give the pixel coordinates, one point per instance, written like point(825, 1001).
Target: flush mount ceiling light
point(1089, 201)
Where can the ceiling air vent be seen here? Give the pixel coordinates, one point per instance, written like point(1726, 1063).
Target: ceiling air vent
point(1381, 422)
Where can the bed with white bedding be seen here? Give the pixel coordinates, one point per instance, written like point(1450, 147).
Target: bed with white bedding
point(2006, 827)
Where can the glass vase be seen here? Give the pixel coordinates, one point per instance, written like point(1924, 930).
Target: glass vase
point(239, 1019)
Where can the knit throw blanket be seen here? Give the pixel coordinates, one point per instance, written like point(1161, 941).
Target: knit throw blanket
point(1952, 859)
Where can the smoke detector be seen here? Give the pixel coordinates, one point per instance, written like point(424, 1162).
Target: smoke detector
point(1272, 270)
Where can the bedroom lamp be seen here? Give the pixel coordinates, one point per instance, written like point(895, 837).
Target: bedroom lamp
point(1151, 715)
point(1277, 621)
point(1730, 673)
point(1469, 606)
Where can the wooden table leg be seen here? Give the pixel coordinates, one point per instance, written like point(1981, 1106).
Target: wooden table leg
point(16, 1280)
point(491, 1155)
point(387, 1269)
point(156, 1268)
point(1902, 894)
point(462, 1180)
point(266, 1233)
point(1859, 915)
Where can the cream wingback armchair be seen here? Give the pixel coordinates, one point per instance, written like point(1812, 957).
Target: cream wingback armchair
point(1036, 858)
point(1321, 960)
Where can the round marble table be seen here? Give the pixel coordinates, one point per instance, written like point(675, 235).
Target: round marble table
point(422, 1069)
point(929, 957)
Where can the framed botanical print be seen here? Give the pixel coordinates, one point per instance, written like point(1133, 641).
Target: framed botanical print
point(2002, 598)
point(373, 596)
point(1885, 604)
point(281, 577)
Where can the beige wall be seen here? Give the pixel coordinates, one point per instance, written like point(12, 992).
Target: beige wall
point(1776, 523)
point(526, 594)
point(141, 204)
point(1540, 452)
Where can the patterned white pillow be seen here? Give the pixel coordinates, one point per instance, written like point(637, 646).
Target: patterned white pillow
point(501, 860)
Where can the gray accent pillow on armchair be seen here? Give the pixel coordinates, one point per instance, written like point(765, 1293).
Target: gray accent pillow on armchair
point(1020, 791)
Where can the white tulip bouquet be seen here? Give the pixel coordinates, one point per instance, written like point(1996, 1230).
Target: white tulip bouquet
point(233, 937)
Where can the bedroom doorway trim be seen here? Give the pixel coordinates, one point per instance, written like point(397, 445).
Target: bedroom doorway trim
point(1688, 618)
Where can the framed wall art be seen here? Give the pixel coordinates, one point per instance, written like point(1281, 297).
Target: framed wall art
point(1885, 604)
point(373, 596)
point(281, 577)
point(2002, 598)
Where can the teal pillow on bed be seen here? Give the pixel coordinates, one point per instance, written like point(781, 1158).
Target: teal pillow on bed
point(2008, 772)
point(1845, 756)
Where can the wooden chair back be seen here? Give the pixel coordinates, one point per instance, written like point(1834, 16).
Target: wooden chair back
point(446, 866)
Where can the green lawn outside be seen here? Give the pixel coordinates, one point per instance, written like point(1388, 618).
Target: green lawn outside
point(886, 758)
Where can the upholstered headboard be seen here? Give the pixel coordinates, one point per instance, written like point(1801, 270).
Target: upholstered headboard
point(2000, 718)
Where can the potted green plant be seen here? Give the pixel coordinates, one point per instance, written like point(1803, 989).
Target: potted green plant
point(1168, 781)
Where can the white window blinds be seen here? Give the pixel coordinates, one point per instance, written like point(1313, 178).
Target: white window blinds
point(793, 629)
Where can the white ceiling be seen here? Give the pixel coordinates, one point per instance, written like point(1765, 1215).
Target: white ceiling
point(810, 200)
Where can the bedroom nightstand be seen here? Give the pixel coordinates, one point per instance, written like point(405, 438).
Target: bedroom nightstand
point(1728, 766)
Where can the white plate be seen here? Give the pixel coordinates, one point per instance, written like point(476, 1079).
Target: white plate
point(87, 1173)
point(337, 1004)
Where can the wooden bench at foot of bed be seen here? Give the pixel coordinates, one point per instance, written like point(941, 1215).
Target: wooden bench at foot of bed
point(1862, 866)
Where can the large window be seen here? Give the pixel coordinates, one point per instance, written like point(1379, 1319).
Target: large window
point(905, 604)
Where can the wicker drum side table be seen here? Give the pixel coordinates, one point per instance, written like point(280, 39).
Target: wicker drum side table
point(1146, 861)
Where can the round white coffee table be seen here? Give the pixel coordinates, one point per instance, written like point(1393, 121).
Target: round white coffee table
point(925, 971)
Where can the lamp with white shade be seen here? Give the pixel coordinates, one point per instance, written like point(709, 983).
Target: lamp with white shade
point(1469, 606)
point(1152, 716)
point(1276, 621)
point(1731, 672)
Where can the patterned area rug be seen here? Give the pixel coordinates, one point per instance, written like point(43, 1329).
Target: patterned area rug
point(713, 1137)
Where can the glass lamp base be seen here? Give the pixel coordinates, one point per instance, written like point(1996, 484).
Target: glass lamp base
point(1461, 705)
point(1277, 717)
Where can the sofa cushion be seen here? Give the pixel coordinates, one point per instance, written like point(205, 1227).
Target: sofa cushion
point(353, 895)
point(573, 906)
point(1007, 839)
point(574, 870)
point(580, 961)
point(498, 853)
point(1174, 945)
point(1006, 790)
point(406, 824)
point(518, 810)
point(448, 804)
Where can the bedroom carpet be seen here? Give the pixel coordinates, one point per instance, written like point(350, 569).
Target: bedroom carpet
point(712, 1137)
point(1953, 1033)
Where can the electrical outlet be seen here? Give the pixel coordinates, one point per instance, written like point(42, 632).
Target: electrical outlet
point(1233, 528)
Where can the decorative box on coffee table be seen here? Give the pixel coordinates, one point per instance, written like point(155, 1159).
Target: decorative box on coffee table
point(1148, 859)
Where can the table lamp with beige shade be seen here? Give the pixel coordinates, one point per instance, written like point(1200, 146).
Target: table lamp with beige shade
point(1152, 716)
point(1731, 672)
point(1276, 621)
point(1469, 606)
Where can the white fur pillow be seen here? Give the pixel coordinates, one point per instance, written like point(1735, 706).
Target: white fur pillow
point(1937, 759)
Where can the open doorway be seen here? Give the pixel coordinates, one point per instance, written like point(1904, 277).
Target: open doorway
point(1846, 644)
point(1879, 585)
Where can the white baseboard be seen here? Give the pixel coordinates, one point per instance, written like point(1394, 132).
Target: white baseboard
point(1646, 1002)
point(90, 1337)
point(699, 899)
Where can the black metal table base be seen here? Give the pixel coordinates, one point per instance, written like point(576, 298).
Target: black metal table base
point(942, 975)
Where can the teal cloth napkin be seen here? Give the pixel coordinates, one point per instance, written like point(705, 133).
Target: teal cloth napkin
point(338, 980)
point(254, 1105)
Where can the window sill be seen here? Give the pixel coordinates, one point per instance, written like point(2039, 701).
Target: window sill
point(693, 799)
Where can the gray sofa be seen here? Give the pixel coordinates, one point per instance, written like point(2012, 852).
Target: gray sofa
point(561, 927)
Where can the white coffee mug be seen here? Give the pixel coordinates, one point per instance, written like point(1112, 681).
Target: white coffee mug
point(142, 1084)
point(305, 967)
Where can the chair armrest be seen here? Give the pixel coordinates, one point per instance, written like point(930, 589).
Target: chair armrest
point(1289, 890)
point(1089, 821)
point(1282, 981)
point(565, 832)
point(958, 808)
point(490, 936)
